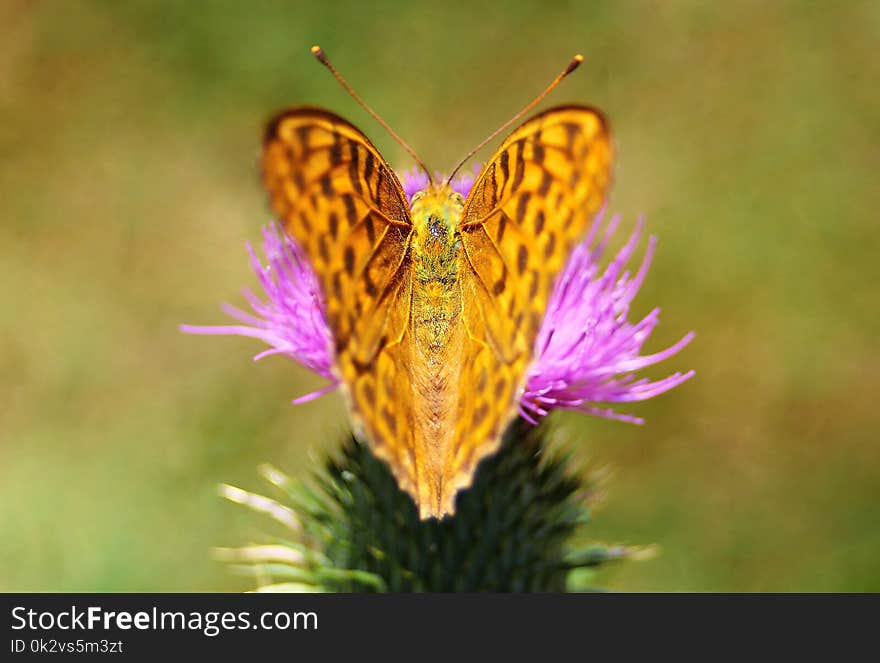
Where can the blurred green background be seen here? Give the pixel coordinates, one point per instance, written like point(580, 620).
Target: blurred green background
point(748, 133)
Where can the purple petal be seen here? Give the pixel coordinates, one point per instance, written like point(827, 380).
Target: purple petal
point(291, 319)
point(413, 181)
point(416, 180)
point(587, 351)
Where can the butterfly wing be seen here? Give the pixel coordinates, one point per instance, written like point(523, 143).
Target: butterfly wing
point(342, 202)
point(530, 204)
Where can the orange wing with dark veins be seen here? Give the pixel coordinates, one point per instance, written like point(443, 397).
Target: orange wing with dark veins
point(530, 204)
point(342, 202)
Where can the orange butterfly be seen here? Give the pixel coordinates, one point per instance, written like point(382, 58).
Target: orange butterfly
point(435, 302)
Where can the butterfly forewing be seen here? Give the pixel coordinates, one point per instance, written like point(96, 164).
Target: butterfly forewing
point(532, 201)
point(341, 201)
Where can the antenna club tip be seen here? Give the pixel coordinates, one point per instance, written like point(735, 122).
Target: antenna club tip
point(575, 63)
point(318, 52)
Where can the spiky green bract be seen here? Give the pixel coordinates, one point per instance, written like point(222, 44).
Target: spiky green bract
point(514, 530)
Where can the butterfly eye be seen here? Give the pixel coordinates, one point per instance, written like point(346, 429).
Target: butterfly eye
point(417, 196)
point(458, 198)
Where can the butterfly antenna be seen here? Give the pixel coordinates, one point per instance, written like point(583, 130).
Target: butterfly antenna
point(574, 64)
point(319, 53)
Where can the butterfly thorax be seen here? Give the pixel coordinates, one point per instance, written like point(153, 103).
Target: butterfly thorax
point(435, 213)
point(435, 251)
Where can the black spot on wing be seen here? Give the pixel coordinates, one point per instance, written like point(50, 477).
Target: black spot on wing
point(500, 388)
point(389, 420)
point(369, 284)
point(519, 170)
point(571, 132)
point(302, 135)
point(350, 211)
point(522, 258)
point(336, 150)
point(538, 152)
point(369, 166)
point(502, 224)
point(326, 185)
point(546, 181)
point(521, 206)
point(354, 167)
point(551, 245)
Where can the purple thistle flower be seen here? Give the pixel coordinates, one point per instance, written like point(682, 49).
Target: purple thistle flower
point(416, 180)
point(586, 351)
point(463, 183)
point(413, 181)
point(291, 320)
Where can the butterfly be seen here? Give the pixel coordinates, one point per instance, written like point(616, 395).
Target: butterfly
point(434, 302)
